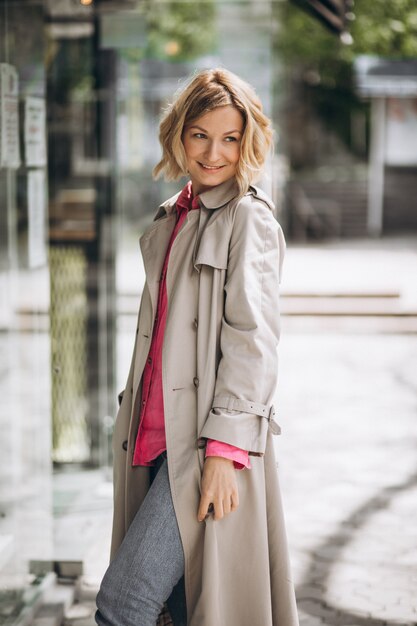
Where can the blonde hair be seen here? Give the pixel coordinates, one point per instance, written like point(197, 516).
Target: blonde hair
point(206, 91)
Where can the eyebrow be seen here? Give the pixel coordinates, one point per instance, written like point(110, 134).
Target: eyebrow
point(229, 132)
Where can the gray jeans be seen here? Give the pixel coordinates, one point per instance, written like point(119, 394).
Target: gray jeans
point(148, 568)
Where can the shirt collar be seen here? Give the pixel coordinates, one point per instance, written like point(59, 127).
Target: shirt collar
point(185, 200)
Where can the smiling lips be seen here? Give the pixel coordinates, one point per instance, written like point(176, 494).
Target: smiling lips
point(210, 167)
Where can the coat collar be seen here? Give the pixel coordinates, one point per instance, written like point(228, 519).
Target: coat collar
point(220, 195)
point(212, 199)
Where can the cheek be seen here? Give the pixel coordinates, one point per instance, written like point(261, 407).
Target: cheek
point(187, 147)
point(235, 155)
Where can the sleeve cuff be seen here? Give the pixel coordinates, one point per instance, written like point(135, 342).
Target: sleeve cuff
point(239, 457)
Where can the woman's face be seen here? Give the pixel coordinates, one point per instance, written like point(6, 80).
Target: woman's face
point(212, 147)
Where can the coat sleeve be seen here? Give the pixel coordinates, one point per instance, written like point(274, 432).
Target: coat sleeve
point(241, 411)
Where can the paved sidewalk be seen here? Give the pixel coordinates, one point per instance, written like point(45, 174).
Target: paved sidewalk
point(347, 405)
point(349, 475)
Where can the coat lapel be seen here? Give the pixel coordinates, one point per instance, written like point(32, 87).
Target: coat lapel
point(153, 244)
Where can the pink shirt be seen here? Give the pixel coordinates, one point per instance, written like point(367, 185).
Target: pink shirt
point(150, 440)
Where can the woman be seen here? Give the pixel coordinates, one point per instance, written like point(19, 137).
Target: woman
point(197, 517)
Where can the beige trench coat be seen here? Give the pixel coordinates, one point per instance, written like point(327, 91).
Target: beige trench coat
point(219, 376)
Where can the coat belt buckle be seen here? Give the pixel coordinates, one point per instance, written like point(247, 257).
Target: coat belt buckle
point(274, 427)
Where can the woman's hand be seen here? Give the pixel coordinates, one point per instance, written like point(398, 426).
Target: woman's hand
point(218, 487)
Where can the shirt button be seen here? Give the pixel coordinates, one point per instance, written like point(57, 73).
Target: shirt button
point(196, 322)
point(124, 445)
point(143, 402)
point(196, 381)
point(149, 360)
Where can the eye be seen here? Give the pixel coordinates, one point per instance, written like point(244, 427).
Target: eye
point(199, 135)
point(230, 139)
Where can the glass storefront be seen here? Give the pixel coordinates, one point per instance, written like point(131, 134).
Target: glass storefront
point(25, 380)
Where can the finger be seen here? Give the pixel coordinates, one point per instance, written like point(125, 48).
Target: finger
point(203, 508)
point(218, 509)
point(235, 501)
point(227, 506)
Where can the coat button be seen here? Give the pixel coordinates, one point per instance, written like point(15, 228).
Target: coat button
point(196, 381)
point(124, 445)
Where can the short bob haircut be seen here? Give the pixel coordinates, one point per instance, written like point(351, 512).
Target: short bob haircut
point(207, 90)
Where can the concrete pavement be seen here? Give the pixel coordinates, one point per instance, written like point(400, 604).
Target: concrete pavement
point(349, 475)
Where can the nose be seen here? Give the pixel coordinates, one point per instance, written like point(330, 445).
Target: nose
point(212, 153)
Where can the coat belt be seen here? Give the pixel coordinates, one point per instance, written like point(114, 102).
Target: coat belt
point(236, 404)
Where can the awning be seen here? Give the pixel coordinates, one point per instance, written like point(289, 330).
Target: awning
point(334, 14)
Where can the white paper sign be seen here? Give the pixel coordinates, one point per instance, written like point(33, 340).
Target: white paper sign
point(9, 117)
point(37, 218)
point(35, 137)
point(401, 133)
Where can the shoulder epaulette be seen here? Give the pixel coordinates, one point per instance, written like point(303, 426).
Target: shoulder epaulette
point(261, 195)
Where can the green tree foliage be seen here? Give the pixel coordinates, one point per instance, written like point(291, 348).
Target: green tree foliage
point(318, 66)
point(301, 39)
point(387, 29)
point(179, 31)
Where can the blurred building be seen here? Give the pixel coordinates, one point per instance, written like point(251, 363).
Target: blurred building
point(391, 87)
point(347, 119)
